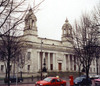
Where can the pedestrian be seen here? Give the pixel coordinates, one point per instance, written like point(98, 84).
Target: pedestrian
point(32, 77)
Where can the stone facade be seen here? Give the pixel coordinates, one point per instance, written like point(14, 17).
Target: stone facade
point(58, 55)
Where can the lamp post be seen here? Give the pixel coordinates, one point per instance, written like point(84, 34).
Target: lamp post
point(44, 67)
point(44, 64)
point(41, 54)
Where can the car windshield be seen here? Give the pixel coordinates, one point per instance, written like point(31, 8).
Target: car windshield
point(12, 76)
point(47, 79)
point(79, 78)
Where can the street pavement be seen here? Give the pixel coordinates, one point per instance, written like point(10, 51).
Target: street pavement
point(32, 84)
point(25, 84)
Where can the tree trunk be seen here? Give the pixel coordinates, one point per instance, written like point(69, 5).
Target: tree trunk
point(21, 74)
point(79, 71)
point(14, 68)
point(8, 67)
point(97, 65)
point(87, 76)
point(8, 63)
point(6, 74)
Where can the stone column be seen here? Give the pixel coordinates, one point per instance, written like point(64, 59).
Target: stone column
point(48, 61)
point(69, 62)
point(67, 65)
point(64, 64)
point(54, 62)
point(72, 62)
point(38, 60)
point(76, 63)
point(43, 57)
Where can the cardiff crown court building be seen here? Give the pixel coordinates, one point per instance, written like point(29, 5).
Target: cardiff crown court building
point(57, 55)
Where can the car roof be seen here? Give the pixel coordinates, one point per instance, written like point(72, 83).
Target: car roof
point(53, 77)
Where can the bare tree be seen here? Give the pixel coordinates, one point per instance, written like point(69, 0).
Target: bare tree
point(11, 47)
point(85, 42)
point(11, 9)
point(11, 15)
point(96, 21)
point(16, 11)
point(96, 15)
point(22, 61)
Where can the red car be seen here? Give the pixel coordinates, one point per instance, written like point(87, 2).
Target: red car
point(51, 81)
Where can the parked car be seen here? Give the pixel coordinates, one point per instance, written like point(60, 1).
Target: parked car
point(82, 81)
point(51, 81)
point(97, 82)
point(13, 79)
point(95, 76)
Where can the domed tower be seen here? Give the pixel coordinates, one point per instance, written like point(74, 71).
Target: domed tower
point(30, 24)
point(66, 32)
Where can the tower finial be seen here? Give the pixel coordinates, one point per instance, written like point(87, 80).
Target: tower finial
point(66, 20)
point(30, 10)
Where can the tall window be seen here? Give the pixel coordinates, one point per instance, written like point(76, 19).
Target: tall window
point(93, 62)
point(28, 67)
point(74, 63)
point(94, 69)
point(71, 61)
point(64, 31)
point(2, 67)
point(51, 61)
point(60, 66)
point(10, 67)
point(66, 62)
point(51, 66)
point(28, 55)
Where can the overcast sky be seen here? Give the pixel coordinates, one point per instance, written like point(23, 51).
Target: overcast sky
point(52, 15)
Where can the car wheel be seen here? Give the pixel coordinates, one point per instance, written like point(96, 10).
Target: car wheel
point(61, 85)
point(95, 84)
point(19, 81)
point(9, 81)
point(90, 85)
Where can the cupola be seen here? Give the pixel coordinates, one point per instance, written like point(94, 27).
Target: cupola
point(30, 23)
point(67, 31)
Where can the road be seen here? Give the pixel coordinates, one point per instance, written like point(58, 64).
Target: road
point(32, 84)
point(20, 85)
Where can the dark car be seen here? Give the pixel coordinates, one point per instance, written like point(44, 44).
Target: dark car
point(51, 81)
point(79, 81)
point(13, 79)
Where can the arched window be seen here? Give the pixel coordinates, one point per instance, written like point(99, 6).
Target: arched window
point(64, 31)
point(28, 55)
point(68, 31)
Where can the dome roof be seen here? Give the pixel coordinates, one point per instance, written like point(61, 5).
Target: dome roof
point(30, 15)
point(66, 25)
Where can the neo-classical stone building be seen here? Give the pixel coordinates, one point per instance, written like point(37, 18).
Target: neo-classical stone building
point(58, 55)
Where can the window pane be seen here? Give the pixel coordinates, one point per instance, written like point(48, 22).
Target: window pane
point(2, 67)
point(28, 68)
point(28, 55)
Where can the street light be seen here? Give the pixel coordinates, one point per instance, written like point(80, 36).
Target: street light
point(44, 67)
point(41, 54)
